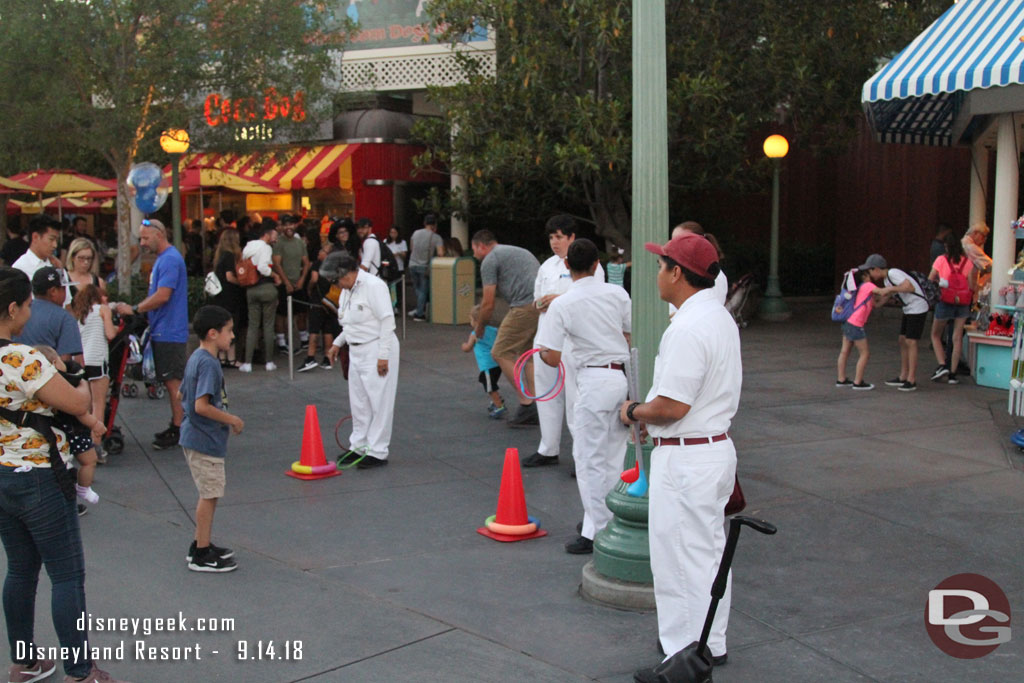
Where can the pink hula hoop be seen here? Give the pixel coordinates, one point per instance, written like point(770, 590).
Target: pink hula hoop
point(551, 393)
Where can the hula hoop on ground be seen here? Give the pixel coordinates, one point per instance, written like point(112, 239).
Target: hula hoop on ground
point(555, 388)
point(345, 449)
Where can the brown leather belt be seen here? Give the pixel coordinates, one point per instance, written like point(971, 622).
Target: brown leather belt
point(690, 440)
point(621, 367)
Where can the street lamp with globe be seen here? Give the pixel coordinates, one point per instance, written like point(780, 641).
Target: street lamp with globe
point(773, 308)
point(175, 141)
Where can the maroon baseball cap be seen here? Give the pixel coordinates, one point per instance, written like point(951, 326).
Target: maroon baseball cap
point(690, 250)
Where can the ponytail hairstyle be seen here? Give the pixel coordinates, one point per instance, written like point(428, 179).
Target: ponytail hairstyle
point(84, 300)
point(697, 229)
point(15, 288)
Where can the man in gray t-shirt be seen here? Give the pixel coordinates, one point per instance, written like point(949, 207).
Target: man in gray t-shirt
point(509, 272)
point(423, 246)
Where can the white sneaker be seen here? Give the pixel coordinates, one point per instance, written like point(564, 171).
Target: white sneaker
point(87, 494)
point(245, 367)
point(271, 367)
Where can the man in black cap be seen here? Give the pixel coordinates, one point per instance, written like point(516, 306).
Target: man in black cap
point(50, 324)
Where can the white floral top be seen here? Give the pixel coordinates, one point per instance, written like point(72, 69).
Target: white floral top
point(23, 371)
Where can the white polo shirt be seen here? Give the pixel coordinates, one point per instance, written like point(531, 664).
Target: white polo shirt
point(592, 315)
point(366, 315)
point(370, 252)
point(699, 364)
point(721, 290)
point(553, 277)
point(29, 263)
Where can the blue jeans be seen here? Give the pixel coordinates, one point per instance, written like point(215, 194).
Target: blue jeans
point(421, 283)
point(38, 526)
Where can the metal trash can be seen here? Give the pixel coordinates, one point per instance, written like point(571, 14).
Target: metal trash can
point(452, 290)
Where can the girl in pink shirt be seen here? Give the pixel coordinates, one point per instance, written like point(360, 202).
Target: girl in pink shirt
point(854, 335)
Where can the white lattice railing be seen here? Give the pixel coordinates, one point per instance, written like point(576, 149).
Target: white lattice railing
point(411, 68)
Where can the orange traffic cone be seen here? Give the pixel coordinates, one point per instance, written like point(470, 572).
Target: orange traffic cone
point(511, 523)
point(312, 464)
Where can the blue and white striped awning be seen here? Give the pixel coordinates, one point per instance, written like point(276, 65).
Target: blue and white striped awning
point(975, 44)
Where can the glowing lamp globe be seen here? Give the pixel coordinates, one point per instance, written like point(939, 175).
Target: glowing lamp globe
point(174, 141)
point(776, 147)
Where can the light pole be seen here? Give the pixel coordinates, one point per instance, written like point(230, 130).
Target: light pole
point(773, 308)
point(174, 141)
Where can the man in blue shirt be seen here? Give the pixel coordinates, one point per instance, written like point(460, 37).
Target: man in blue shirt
point(50, 324)
point(167, 307)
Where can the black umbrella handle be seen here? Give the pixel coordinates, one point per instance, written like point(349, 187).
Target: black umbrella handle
point(722, 577)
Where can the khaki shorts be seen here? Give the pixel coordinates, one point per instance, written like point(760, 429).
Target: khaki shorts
point(207, 473)
point(516, 332)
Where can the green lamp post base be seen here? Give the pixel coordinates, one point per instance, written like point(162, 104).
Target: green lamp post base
point(620, 573)
point(774, 309)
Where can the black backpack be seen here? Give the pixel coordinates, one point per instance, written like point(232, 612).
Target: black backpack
point(929, 287)
point(388, 270)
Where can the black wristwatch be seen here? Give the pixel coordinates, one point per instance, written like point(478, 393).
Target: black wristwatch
point(135, 309)
point(630, 409)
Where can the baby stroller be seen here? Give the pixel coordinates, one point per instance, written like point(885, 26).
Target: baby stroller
point(124, 347)
point(140, 368)
point(741, 302)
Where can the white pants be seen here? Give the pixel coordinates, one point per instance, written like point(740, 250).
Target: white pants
point(550, 413)
point(599, 442)
point(371, 398)
point(690, 486)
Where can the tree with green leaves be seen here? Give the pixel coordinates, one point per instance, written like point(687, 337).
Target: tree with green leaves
point(552, 127)
point(108, 76)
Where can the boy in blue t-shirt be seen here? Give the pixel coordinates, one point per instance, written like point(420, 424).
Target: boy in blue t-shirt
point(204, 432)
point(490, 371)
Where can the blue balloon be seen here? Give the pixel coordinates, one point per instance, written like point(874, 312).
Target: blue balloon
point(150, 201)
point(145, 179)
point(145, 175)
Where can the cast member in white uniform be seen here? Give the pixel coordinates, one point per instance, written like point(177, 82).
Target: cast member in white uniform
point(368, 327)
point(593, 320)
point(693, 398)
point(553, 279)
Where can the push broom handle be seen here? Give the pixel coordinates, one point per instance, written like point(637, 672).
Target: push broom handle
point(634, 390)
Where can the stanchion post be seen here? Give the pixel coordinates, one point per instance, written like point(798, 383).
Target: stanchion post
point(291, 341)
point(404, 305)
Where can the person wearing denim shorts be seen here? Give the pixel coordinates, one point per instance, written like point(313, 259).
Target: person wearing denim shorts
point(953, 263)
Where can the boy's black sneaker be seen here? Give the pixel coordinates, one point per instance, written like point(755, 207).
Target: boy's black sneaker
point(309, 364)
point(325, 364)
point(952, 379)
point(863, 386)
point(895, 382)
point(844, 382)
point(940, 371)
point(168, 439)
point(171, 429)
point(82, 510)
point(908, 386)
point(221, 552)
point(209, 561)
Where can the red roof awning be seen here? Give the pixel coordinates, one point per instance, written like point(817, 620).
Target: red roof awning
point(292, 168)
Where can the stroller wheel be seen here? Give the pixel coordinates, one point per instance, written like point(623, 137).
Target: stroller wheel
point(114, 444)
point(134, 391)
point(160, 392)
point(126, 390)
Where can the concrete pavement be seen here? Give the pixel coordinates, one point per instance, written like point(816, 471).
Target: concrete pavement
point(379, 575)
